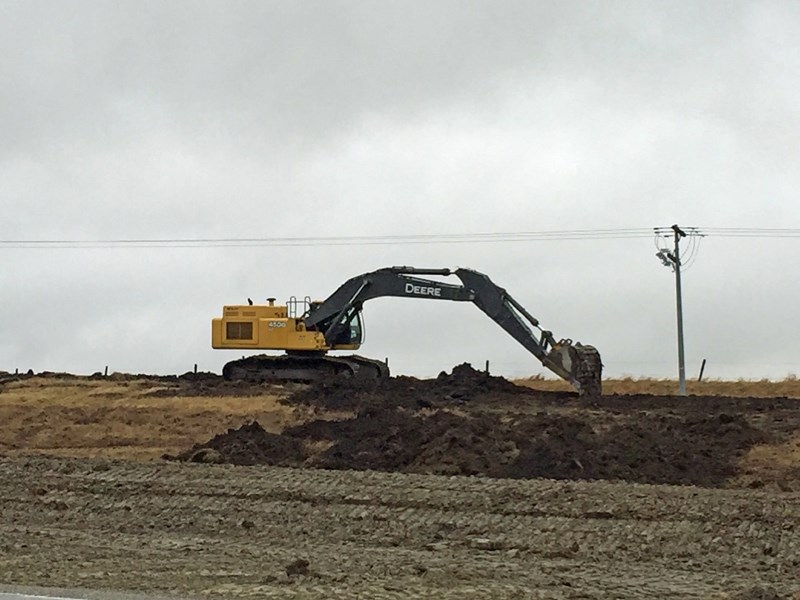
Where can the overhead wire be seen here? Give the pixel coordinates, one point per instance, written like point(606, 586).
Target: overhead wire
point(751, 232)
point(692, 250)
point(518, 236)
point(662, 236)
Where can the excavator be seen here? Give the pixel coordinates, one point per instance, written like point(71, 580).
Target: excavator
point(307, 330)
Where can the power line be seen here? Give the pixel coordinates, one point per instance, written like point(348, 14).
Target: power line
point(470, 238)
point(751, 232)
point(451, 238)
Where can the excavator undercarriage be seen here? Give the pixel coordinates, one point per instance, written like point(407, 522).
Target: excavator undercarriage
point(303, 367)
point(335, 324)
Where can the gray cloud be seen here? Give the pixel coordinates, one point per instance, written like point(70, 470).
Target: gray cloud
point(261, 119)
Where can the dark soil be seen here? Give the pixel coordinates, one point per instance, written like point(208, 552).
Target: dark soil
point(463, 386)
point(470, 423)
point(658, 449)
point(248, 445)
point(699, 452)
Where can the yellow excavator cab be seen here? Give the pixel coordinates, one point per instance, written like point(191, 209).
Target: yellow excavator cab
point(269, 327)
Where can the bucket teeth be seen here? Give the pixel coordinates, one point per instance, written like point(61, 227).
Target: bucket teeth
point(589, 370)
point(578, 364)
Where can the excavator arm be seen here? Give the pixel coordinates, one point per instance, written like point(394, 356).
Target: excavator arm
point(576, 363)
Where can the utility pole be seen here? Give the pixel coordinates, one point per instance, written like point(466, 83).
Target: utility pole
point(673, 260)
point(679, 303)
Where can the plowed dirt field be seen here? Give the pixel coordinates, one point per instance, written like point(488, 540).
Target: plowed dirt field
point(460, 487)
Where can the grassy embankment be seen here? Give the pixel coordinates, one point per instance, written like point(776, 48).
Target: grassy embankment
point(764, 388)
point(140, 418)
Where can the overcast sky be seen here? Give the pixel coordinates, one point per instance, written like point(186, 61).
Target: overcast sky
point(176, 120)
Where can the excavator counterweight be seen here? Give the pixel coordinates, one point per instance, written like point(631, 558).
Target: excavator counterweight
point(307, 330)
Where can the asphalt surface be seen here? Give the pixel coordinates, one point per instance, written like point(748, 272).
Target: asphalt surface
point(28, 593)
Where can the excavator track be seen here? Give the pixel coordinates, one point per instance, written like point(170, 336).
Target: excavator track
point(589, 372)
point(303, 368)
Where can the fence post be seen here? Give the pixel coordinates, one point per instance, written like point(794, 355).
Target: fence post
point(487, 367)
point(702, 368)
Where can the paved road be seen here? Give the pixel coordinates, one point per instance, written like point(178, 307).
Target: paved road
point(4, 596)
point(216, 531)
point(28, 593)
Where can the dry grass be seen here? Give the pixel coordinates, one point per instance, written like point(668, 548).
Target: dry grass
point(777, 463)
point(775, 456)
point(789, 387)
point(82, 392)
point(85, 417)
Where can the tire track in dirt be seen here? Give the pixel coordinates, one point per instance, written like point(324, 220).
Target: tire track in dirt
point(231, 532)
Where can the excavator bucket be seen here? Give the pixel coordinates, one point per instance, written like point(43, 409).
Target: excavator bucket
point(579, 364)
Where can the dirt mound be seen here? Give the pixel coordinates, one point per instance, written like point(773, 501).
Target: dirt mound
point(250, 444)
point(467, 383)
point(470, 423)
point(698, 452)
point(657, 449)
point(441, 443)
point(463, 385)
